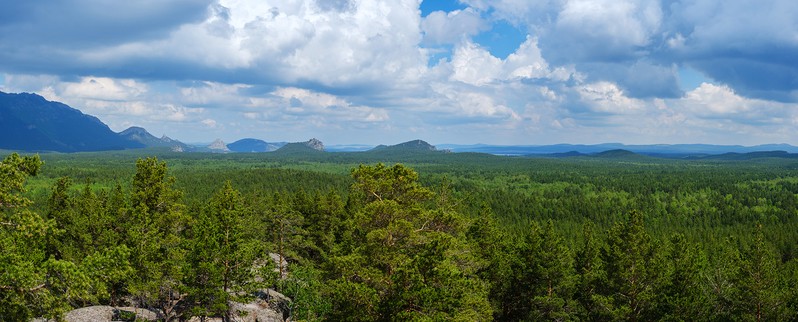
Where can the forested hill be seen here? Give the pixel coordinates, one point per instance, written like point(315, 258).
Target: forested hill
point(409, 146)
point(140, 135)
point(312, 146)
point(254, 145)
point(29, 122)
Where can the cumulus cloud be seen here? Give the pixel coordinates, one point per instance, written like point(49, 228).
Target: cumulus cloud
point(475, 65)
point(605, 97)
point(103, 88)
point(721, 102)
point(209, 123)
point(588, 69)
point(747, 46)
point(275, 41)
point(602, 30)
point(450, 27)
point(290, 106)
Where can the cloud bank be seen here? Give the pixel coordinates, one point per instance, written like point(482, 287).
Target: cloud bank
point(357, 71)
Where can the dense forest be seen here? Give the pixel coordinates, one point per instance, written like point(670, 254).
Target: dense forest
point(416, 236)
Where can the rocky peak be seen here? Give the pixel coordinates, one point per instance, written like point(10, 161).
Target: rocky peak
point(219, 145)
point(315, 144)
point(418, 144)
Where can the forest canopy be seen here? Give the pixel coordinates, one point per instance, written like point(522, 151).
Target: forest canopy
point(444, 237)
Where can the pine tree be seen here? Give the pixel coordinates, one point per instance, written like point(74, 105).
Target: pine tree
point(763, 290)
point(401, 263)
point(156, 224)
point(679, 296)
point(633, 269)
point(31, 283)
point(493, 254)
point(542, 284)
point(222, 260)
point(591, 276)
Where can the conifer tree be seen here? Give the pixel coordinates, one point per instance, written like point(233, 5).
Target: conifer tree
point(157, 222)
point(591, 278)
point(633, 269)
point(31, 283)
point(763, 290)
point(679, 295)
point(222, 260)
point(494, 257)
point(401, 266)
point(542, 282)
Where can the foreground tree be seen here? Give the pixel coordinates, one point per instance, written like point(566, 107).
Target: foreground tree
point(222, 260)
point(679, 293)
point(494, 257)
point(590, 276)
point(542, 280)
point(763, 290)
point(156, 222)
point(406, 261)
point(633, 268)
point(31, 284)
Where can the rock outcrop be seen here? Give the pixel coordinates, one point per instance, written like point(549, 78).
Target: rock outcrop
point(268, 306)
point(218, 146)
point(104, 313)
point(315, 144)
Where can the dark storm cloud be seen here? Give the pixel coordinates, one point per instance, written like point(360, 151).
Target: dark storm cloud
point(76, 24)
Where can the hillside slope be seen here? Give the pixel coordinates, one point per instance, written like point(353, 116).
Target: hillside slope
point(28, 122)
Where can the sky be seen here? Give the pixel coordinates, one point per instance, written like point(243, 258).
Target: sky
point(509, 72)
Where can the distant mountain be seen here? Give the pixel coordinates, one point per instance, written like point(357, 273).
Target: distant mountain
point(218, 146)
point(254, 145)
point(140, 135)
point(311, 146)
point(659, 150)
point(733, 156)
point(568, 154)
point(616, 154)
point(29, 122)
point(415, 145)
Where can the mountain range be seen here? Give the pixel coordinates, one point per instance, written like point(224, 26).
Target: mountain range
point(659, 150)
point(29, 122)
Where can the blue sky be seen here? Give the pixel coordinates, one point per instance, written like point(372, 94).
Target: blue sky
point(385, 72)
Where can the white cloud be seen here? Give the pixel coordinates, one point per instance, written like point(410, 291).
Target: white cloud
point(719, 102)
point(474, 65)
point(210, 123)
point(518, 11)
point(213, 94)
point(374, 41)
point(716, 99)
point(615, 26)
point(104, 88)
point(527, 62)
point(606, 97)
point(596, 69)
point(450, 27)
point(470, 106)
point(290, 104)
